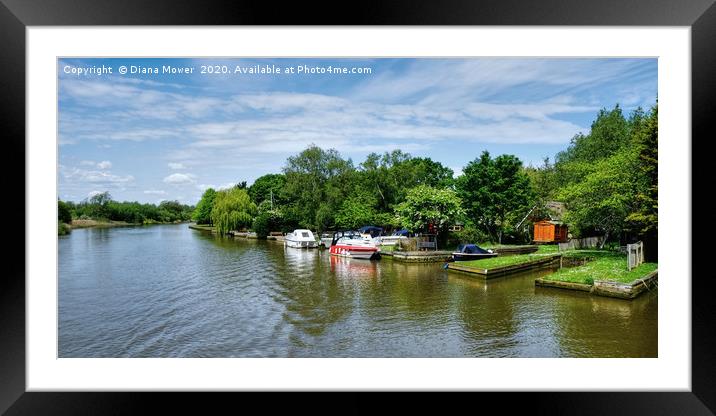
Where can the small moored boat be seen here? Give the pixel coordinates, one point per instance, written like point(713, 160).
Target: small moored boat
point(471, 252)
point(351, 244)
point(300, 239)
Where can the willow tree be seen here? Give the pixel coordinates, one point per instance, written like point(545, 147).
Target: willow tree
point(232, 210)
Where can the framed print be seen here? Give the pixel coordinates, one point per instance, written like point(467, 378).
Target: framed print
point(358, 208)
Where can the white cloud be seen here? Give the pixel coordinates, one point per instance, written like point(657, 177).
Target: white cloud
point(154, 192)
point(105, 164)
point(94, 176)
point(179, 179)
point(176, 166)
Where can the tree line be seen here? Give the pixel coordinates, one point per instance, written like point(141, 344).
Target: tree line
point(320, 190)
point(102, 207)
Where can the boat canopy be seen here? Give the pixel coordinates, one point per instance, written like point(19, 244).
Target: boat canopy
point(471, 249)
point(372, 230)
point(403, 232)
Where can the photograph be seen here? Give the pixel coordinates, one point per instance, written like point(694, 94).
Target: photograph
point(357, 207)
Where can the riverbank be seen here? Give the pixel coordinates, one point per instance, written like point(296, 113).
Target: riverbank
point(236, 234)
point(99, 224)
point(600, 265)
point(599, 272)
point(207, 228)
point(417, 256)
point(501, 266)
point(603, 274)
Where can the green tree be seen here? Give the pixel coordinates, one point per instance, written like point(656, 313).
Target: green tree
point(202, 213)
point(496, 193)
point(609, 132)
point(645, 217)
point(425, 206)
point(543, 180)
point(232, 210)
point(268, 186)
point(426, 171)
point(356, 211)
point(317, 181)
point(391, 174)
point(64, 214)
point(604, 198)
point(98, 205)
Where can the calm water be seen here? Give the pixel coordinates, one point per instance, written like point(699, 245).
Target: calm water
point(168, 291)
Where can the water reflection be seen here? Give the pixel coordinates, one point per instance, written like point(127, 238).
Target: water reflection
point(346, 268)
point(588, 326)
point(167, 291)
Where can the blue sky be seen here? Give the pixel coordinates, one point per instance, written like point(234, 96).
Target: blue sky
point(152, 137)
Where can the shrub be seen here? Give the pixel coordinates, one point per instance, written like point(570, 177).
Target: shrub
point(62, 228)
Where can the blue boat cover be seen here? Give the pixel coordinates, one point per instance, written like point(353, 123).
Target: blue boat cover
point(471, 249)
point(403, 232)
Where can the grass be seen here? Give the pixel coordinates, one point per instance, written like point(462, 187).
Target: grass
point(387, 248)
point(98, 223)
point(500, 261)
point(607, 265)
point(201, 227)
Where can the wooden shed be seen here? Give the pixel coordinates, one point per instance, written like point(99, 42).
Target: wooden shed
point(548, 231)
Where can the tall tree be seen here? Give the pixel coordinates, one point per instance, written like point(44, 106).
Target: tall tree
point(645, 218)
point(609, 133)
point(496, 192)
point(391, 174)
point(603, 199)
point(317, 181)
point(202, 212)
point(266, 187)
point(357, 210)
point(63, 212)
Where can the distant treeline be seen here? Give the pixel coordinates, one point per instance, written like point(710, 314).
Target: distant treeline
point(102, 207)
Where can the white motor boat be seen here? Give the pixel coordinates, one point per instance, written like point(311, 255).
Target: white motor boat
point(350, 244)
point(300, 239)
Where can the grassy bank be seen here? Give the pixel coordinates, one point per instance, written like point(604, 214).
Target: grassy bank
point(99, 223)
point(501, 261)
point(607, 265)
point(202, 227)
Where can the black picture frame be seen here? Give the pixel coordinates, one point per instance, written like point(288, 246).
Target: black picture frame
point(16, 15)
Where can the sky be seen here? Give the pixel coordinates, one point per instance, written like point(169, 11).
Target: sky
point(146, 136)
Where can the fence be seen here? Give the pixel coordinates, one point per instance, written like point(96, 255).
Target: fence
point(589, 242)
point(635, 255)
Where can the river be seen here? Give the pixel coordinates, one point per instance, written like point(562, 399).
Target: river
point(169, 291)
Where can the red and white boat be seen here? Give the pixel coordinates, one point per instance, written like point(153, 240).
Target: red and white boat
point(350, 244)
